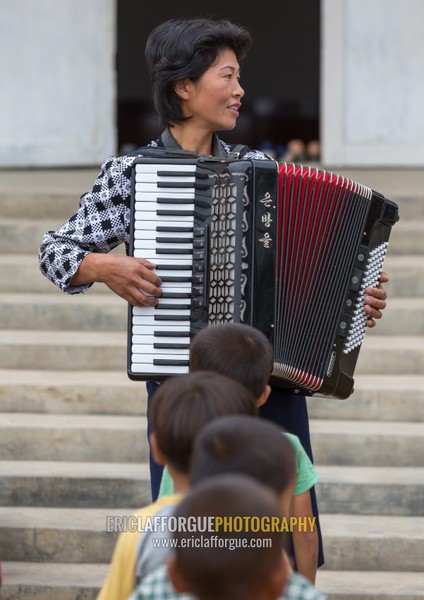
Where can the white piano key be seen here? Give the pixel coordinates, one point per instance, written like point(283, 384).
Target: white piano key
point(148, 338)
point(150, 369)
point(153, 256)
point(171, 312)
point(146, 168)
point(148, 207)
point(152, 234)
point(149, 226)
point(146, 186)
point(140, 329)
point(183, 263)
point(150, 321)
point(156, 178)
point(173, 301)
point(153, 244)
point(159, 219)
point(179, 287)
point(163, 353)
point(180, 271)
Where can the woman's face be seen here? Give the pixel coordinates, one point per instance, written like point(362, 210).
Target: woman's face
point(213, 101)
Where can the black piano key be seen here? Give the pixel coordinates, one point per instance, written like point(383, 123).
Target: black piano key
point(175, 279)
point(172, 267)
point(163, 200)
point(170, 346)
point(176, 184)
point(176, 295)
point(174, 250)
point(170, 363)
point(171, 306)
point(174, 240)
point(162, 333)
point(159, 317)
point(175, 213)
point(171, 229)
point(163, 173)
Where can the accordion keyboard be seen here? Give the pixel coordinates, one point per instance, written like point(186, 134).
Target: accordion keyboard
point(164, 235)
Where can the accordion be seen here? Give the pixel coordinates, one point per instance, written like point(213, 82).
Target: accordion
point(285, 248)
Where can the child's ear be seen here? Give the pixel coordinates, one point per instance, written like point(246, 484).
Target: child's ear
point(175, 577)
point(157, 453)
point(264, 396)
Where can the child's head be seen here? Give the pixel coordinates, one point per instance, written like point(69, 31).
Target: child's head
point(182, 405)
point(238, 351)
point(249, 446)
point(239, 562)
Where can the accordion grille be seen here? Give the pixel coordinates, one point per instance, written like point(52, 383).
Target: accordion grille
point(222, 251)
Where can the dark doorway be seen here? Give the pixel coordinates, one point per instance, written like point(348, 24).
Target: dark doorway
point(280, 76)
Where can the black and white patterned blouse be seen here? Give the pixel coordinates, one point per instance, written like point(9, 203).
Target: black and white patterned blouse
point(102, 221)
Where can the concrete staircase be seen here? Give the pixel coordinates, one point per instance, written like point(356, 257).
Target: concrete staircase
point(72, 424)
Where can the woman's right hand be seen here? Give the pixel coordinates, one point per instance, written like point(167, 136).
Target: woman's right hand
point(131, 278)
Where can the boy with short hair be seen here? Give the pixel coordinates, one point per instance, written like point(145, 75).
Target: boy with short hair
point(229, 564)
point(179, 409)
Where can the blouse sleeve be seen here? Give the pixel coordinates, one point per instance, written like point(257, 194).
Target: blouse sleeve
point(100, 224)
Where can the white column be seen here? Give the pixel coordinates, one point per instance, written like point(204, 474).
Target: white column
point(372, 83)
point(57, 82)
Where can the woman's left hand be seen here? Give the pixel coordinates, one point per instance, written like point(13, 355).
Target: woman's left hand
point(375, 300)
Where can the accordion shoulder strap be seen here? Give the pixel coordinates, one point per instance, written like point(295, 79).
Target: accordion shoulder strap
point(238, 151)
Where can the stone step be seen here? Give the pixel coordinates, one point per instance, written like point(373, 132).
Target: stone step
point(402, 316)
point(75, 392)
point(93, 311)
point(375, 397)
point(351, 542)
point(406, 276)
point(52, 581)
point(370, 585)
point(82, 312)
point(75, 535)
point(372, 543)
point(391, 354)
point(20, 273)
point(102, 438)
point(102, 350)
point(73, 484)
point(63, 350)
point(23, 235)
point(49, 193)
point(407, 237)
point(367, 443)
point(348, 490)
point(371, 490)
point(98, 438)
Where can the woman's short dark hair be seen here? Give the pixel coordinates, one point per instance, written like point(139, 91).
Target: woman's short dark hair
point(181, 49)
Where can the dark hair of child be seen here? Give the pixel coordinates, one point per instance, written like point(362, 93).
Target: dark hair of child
point(239, 351)
point(183, 404)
